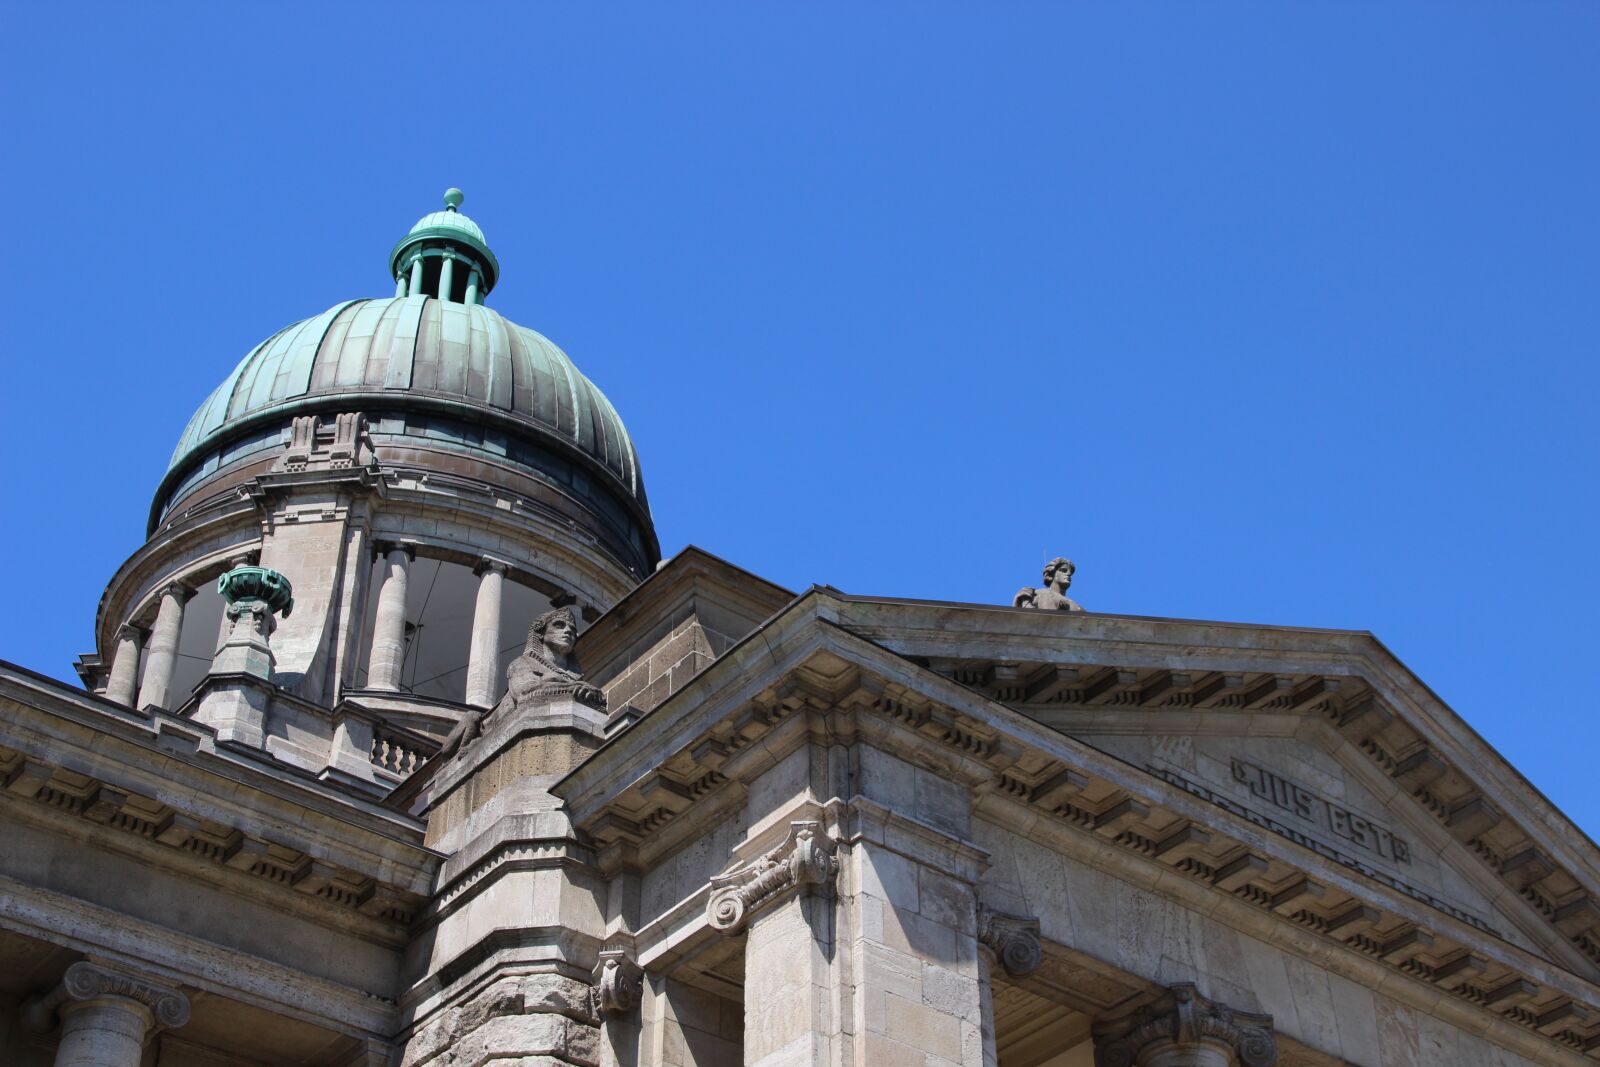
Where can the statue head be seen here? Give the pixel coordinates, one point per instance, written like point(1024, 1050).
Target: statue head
point(556, 630)
point(1059, 570)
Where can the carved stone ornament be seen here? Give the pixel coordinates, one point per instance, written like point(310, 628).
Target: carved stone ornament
point(804, 859)
point(620, 984)
point(1182, 1018)
point(88, 981)
point(1014, 939)
point(1052, 596)
point(316, 445)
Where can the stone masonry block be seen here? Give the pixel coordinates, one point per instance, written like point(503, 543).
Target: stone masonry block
point(946, 901)
point(923, 1027)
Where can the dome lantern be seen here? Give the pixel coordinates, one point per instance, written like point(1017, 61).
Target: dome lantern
point(445, 256)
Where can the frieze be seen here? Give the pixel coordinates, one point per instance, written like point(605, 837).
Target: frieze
point(1295, 798)
point(1299, 837)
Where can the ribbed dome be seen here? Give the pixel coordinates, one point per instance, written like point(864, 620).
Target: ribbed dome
point(460, 362)
point(449, 220)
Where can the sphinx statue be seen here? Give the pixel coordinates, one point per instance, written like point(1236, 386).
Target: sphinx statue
point(544, 673)
point(1053, 595)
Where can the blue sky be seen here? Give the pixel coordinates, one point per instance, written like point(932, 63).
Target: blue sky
point(1269, 313)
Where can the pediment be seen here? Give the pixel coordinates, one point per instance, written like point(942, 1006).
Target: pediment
point(1319, 791)
point(1331, 712)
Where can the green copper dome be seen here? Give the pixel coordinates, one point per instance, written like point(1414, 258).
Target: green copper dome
point(429, 374)
point(449, 389)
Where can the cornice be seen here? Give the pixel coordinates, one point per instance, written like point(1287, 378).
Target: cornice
point(147, 780)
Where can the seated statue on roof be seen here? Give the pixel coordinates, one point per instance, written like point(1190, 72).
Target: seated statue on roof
point(1053, 596)
point(544, 673)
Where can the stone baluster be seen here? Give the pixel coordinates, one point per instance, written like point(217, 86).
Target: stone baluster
point(389, 629)
point(1184, 1029)
point(162, 658)
point(124, 678)
point(106, 1015)
point(483, 662)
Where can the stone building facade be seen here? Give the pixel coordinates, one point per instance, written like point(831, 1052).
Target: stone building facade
point(340, 789)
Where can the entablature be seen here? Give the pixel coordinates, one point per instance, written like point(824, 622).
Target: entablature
point(162, 782)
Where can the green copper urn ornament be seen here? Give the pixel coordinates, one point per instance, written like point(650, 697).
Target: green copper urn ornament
point(243, 584)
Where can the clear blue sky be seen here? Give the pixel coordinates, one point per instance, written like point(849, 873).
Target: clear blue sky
point(1279, 313)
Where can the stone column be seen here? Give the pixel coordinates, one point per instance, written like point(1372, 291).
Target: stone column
point(125, 665)
point(389, 629)
point(447, 277)
point(483, 663)
point(106, 1015)
point(1184, 1029)
point(163, 653)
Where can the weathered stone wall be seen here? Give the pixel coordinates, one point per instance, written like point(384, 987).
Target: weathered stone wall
point(667, 666)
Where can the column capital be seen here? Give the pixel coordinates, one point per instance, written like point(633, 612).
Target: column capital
point(805, 858)
point(132, 630)
point(1014, 939)
point(178, 589)
point(382, 549)
point(1182, 1018)
point(487, 564)
point(619, 984)
point(86, 981)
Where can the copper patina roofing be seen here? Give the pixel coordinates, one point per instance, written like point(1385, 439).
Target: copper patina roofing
point(367, 353)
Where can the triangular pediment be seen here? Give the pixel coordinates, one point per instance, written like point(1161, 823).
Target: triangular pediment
point(1368, 763)
point(1301, 777)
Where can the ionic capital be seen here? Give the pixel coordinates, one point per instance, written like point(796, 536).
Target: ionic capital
point(805, 858)
point(89, 981)
point(619, 984)
point(1183, 1019)
point(1014, 939)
